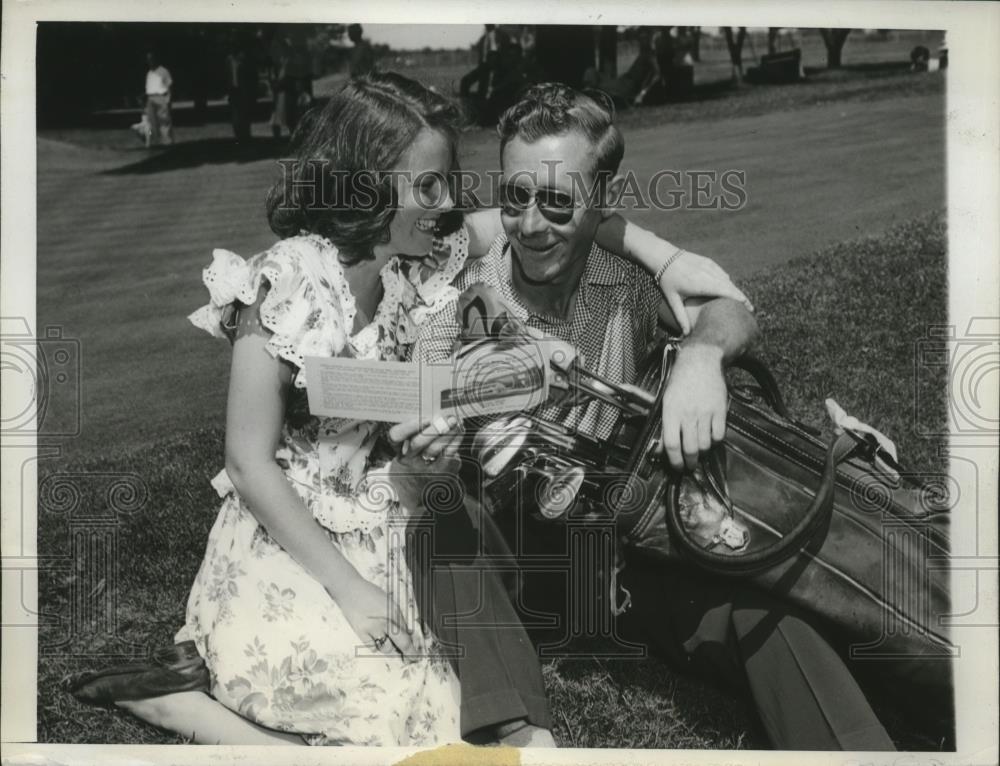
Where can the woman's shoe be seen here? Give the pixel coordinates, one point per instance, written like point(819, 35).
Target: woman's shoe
point(177, 668)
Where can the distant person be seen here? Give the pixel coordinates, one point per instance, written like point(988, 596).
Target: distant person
point(242, 84)
point(284, 88)
point(362, 59)
point(529, 62)
point(527, 41)
point(300, 74)
point(676, 63)
point(920, 58)
point(508, 79)
point(488, 48)
point(633, 87)
point(160, 126)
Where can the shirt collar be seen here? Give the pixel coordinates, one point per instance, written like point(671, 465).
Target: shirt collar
point(603, 269)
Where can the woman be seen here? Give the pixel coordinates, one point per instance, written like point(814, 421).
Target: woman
point(303, 606)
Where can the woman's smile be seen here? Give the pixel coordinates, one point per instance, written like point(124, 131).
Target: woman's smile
point(427, 225)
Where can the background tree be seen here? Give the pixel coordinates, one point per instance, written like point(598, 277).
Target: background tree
point(772, 40)
point(564, 52)
point(695, 43)
point(834, 40)
point(88, 66)
point(607, 48)
point(734, 42)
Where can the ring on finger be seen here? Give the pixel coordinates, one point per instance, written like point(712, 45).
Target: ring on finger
point(428, 458)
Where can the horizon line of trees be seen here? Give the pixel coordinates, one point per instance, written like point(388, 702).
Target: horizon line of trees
point(86, 66)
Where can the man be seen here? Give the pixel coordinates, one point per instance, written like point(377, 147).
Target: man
point(160, 128)
point(632, 87)
point(362, 59)
point(282, 86)
point(554, 278)
point(242, 84)
point(488, 50)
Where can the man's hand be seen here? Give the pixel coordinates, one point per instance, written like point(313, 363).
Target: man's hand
point(428, 450)
point(694, 404)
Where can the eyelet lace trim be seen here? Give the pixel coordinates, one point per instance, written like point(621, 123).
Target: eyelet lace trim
point(309, 309)
point(437, 291)
point(303, 274)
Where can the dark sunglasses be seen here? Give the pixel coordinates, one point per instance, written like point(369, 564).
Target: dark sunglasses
point(555, 206)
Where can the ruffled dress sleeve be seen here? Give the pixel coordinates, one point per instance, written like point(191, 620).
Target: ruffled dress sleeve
point(424, 295)
point(307, 307)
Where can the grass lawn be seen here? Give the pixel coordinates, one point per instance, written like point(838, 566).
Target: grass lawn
point(841, 322)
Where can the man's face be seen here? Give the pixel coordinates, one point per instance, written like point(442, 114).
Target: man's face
point(544, 251)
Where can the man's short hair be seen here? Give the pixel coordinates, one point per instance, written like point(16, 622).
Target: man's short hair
point(554, 109)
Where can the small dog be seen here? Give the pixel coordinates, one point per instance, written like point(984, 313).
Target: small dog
point(143, 129)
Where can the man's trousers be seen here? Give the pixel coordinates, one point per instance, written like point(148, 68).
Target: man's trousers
point(805, 694)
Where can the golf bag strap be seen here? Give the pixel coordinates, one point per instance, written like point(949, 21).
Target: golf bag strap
point(813, 518)
point(765, 380)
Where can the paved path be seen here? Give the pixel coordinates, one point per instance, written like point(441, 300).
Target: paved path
point(119, 255)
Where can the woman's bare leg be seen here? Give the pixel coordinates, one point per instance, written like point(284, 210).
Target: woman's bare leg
point(205, 721)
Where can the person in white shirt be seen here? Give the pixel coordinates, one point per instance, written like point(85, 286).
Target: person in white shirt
point(158, 84)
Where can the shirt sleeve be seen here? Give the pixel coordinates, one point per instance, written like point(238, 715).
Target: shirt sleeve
point(436, 336)
point(647, 304)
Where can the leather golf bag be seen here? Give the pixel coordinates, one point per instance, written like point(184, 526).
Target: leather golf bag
point(833, 526)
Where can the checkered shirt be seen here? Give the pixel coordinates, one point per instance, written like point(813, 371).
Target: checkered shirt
point(613, 324)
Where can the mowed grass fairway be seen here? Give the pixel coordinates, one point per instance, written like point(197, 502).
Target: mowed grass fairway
point(841, 247)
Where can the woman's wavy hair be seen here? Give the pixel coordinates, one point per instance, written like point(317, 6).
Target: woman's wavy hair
point(338, 185)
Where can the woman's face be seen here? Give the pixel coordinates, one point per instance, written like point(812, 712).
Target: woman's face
point(422, 192)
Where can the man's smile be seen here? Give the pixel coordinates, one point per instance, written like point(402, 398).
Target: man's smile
point(538, 248)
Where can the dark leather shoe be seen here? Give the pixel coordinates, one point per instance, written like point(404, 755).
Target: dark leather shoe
point(177, 668)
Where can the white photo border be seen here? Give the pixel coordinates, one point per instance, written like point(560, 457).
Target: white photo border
point(973, 202)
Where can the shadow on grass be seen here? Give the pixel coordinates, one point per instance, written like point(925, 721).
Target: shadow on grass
point(667, 708)
point(205, 151)
point(869, 68)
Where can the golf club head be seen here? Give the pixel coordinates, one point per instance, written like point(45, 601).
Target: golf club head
point(499, 443)
point(559, 490)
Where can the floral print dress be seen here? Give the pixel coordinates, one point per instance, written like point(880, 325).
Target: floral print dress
point(279, 649)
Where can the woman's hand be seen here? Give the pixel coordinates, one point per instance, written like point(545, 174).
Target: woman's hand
point(375, 617)
point(690, 275)
point(483, 226)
